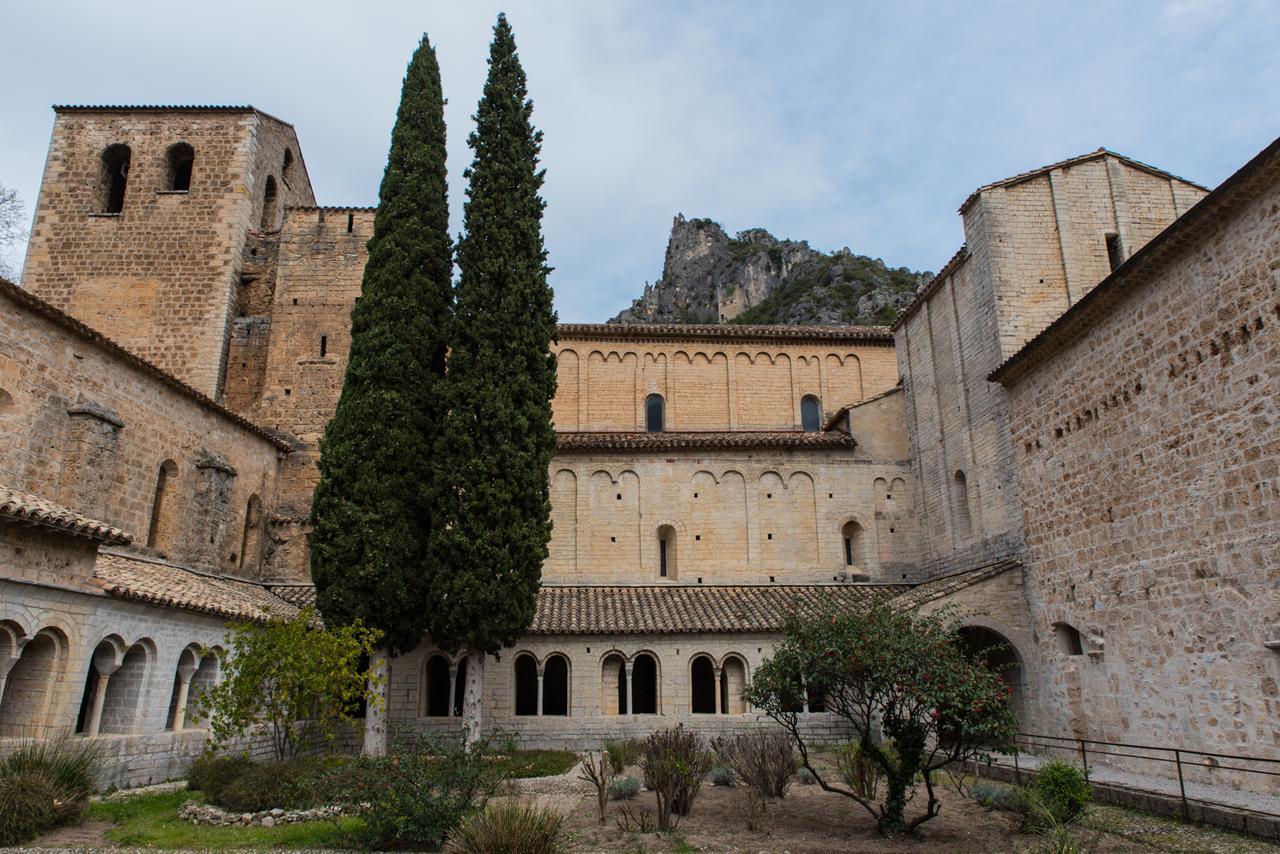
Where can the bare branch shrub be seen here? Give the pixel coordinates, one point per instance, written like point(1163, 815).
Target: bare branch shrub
point(675, 762)
point(764, 761)
point(598, 771)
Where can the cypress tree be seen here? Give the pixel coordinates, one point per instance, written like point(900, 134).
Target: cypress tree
point(374, 506)
point(498, 439)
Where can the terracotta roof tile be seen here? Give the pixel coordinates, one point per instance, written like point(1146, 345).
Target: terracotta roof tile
point(690, 609)
point(931, 591)
point(298, 595)
point(576, 442)
point(158, 583)
point(725, 331)
point(25, 508)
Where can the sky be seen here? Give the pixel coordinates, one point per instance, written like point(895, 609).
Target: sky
point(858, 124)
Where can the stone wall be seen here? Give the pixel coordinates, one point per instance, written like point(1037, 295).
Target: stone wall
point(1034, 245)
point(159, 275)
point(710, 384)
point(91, 429)
point(1147, 464)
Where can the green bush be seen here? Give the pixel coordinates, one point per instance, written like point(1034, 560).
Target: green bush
point(720, 776)
point(416, 798)
point(508, 827)
point(624, 788)
point(210, 774)
point(622, 753)
point(805, 776)
point(1062, 790)
point(43, 785)
point(999, 796)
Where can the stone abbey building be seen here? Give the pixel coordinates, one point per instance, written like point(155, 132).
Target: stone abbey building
point(1070, 434)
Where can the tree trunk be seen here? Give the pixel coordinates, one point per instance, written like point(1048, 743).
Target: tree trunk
point(375, 712)
point(472, 704)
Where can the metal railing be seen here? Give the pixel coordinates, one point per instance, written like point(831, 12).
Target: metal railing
point(1180, 758)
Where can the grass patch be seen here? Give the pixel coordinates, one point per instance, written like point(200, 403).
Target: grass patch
point(151, 821)
point(520, 764)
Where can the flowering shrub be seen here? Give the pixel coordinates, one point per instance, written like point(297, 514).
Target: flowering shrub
point(895, 675)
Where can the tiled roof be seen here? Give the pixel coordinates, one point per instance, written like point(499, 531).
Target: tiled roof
point(331, 207)
point(1073, 161)
point(578, 442)
point(158, 583)
point(687, 609)
point(298, 595)
point(931, 591)
point(32, 302)
point(724, 332)
point(1142, 266)
point(152, 108)
point(25, 508)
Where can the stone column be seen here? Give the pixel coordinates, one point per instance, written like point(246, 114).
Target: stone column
point(6, 664)
point(720, 692)
point(105, 666)
point(453, 689)
point(631, 709)
point(185, 672)
point(539, 689)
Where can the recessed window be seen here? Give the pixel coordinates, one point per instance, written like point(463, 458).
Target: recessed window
point(666, 552)
point(810, 414)
point(1068, 639)
point(324, 345)
point(654, 414)
point(269, 205)
point(286, 164)
point(115, 175)
point(960, 499)
point(180, 159)
point(1115, 251)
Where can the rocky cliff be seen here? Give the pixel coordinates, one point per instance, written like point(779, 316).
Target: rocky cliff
point(753, 277)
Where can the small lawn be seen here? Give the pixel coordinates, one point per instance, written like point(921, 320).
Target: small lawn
point(519, 764)
point(151, 821)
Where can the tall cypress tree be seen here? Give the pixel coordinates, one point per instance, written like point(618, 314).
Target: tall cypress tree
point(498, 440)
point(374, 508)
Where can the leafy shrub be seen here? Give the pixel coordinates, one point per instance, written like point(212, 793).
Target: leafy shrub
point(720, 776)
point(43, 785)
point(622, 753)
point(764, 761)
point(1062, 790)
point(859, 772)
point(414, 799)
point(521, 764)
point(624, 788)
point(805, 776)
point(508, 827)
point(675, 762)
point(998, 796)
point(210, 774)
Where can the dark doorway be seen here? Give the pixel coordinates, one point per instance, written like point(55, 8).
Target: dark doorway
point(644, 693)
point(437, 687)
point(526, 685)
point(702, 678)
point(555, 686)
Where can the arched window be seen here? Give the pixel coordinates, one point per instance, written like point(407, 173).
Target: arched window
point(163, 507)
point(115, 175)
point(995, 653)
point(124, 691)
point(855, 553)
point(1068, 639)
point(526, 685)
point(437, 685)
point(180, 695)
point(206, 677)
point(654, 414)
point(613, 685)
point(286, 164)
point(810, 414)
point(180, 158)
point(815, 701)
point(555, 686)
point(703, 692)
point(269, 205)
point(25, 705)
point(644, 688)
point(960, 496)
point(666, 552)
point(733, 679)
point(250, 540)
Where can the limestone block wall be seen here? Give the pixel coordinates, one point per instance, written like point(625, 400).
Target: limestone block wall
point(1034, 245)
point(592, 692)
point(56, 380)
point(730, 516)
point(1147, 461)
point(713, 384)
point(158, 275)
